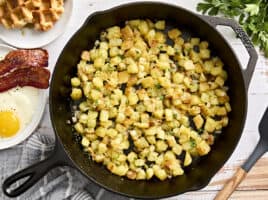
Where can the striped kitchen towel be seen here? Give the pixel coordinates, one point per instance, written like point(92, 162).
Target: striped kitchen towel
point(59, 183)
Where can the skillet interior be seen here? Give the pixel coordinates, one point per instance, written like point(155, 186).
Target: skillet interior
point(199, 174)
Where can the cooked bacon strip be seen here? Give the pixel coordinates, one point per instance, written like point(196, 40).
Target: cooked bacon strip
point(24, 57)
point(27, 76)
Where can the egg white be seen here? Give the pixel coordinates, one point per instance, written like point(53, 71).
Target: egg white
point(22, 101)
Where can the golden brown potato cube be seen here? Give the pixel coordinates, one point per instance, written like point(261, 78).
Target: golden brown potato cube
point(143, 27)
point(160, 25)
point(204, 53)
point(203, 45)
point(187, 64)
point(123, 77)
point(219, 80)
point(221, 111)
point(178, 77)
point(76, 94)
point(228, 107)
point(161, 146)
point(203, 148)
point(174, 33)
point(127, 33)
point(187, 159)
point(148, 82)
point(195, 41)
point(210, 125)
point(85, 55)
point(198, 121)
point(133, 68)
point(159, 172)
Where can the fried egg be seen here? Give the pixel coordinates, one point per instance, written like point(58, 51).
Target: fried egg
point(17, 107)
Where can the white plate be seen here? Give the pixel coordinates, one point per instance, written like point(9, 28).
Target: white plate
point(38, 113)
point(30, 38)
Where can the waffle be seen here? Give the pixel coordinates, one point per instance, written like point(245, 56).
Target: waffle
point(42, 14)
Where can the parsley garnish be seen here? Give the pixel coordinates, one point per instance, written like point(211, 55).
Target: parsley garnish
point(251, 14)
point(158, 86)
point(193, 143)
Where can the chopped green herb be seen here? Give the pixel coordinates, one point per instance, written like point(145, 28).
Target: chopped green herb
point(161, 98)
point(200, 131)
point(175, 115)
point(193, 143)
point(110, 68)
point(122, 57)
point(158, 86)
point(251, 14)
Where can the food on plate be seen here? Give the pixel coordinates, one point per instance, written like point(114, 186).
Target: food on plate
point(24, 68)
point(22, 58)
point(26, 76)
point(21, 68)
point(42, 14)
point(16, 109)
point(149, 100)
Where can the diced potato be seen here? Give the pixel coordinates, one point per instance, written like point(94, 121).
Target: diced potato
point(177, 149)
point(99, 62)
point(187, 159)
point(160, 25)
point(159, 173)
point(132, 99)
point(161, 146)
point(204, 53)
point(174, 33)
point(76, 94)
point(149, 173)
point(141, 143)
point(123, 77)
point(104, 115)
point(120, 170)
point(143, 27)
point(139, 162)
point(85, 55)
point(75, 82)
point(132, 68)
point(168, 115)
point(203, 45)
point(148, 82)
point(85, 142)
point(112, 132)
point(98, 82)
point(219, 80)
point(203, 87)
point(178, 77)
point(210, 125)
point(198, 121)
point(195, 41)
point(203, 148)
point(101, 132)
point(131, 157)
point(187, 64)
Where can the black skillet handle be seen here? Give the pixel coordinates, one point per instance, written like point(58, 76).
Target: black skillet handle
point(253, 56)
point(34, 173)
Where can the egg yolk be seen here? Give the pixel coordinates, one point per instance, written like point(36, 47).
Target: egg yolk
point(9, 124)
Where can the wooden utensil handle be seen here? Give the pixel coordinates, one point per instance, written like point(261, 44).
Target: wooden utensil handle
point(231, 185)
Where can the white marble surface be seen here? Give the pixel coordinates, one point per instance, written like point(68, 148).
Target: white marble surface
point(258, 92)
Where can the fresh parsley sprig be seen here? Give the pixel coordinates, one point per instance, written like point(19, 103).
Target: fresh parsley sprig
point(251, 14)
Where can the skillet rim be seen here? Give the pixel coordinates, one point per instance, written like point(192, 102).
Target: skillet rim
point(73, 164)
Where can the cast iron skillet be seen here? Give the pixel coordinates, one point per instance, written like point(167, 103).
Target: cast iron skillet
point(67, 152)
